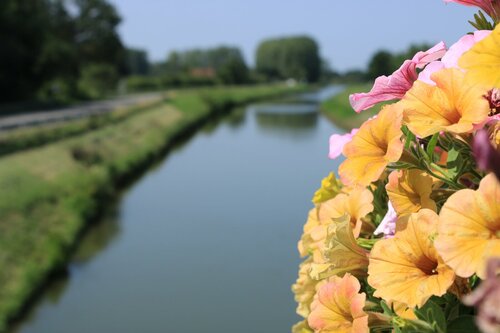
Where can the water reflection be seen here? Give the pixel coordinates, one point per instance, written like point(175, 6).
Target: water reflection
point(281, 122)
point(98, 237)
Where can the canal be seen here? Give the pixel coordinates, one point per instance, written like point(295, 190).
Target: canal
point(206, 240)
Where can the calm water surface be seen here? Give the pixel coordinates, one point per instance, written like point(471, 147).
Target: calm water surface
point(204, 242)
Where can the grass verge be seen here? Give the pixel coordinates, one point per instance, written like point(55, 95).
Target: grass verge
point(339, 110)
point(30, 137)
point(49, 194)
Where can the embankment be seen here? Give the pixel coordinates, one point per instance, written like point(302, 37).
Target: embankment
point(340, 112)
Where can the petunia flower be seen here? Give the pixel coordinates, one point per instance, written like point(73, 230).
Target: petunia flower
point(469, 224)
point(486, 298)
point(302, 327)
point(357, 204)
point(373, 147)
point(450, 59)
point(387, 226)
point(482, 61)
point(341, 254)
point(330, 187)
point(338, 141)
point(338, 307)
point(453, 105)
point(490, 7)
point(407, 268)
point(313, 235)
point(409, 191)
point(386, 88)
point(487, 157)
point(304, 289)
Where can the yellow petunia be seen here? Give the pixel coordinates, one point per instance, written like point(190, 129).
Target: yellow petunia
point(482, 61)
point(341, 253)
point(338, 307)
point(304, 289)
point(453, 104)
point(302, 327)
point(373, 147)
point(330, 187)
point(407, 268)
point(469, 228)
point(357, 204)
point(410, 191)
point(308, 242)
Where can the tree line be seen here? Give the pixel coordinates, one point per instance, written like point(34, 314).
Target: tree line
point(276, 59)
point(66, 50)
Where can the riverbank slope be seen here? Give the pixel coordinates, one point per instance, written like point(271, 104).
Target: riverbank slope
point(338, 109)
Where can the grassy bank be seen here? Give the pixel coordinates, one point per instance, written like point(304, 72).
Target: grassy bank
point(49, 194)
point(340, 112)
point(29, 137)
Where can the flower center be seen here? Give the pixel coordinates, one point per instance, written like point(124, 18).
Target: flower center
point(428, 266)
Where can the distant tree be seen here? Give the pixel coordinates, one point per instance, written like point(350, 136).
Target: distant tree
point(137, 62)
point(382, 63)
point(385, 63)
point(291, 57)
point(225, 62)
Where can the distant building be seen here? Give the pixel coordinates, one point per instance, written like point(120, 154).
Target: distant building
point(203, 72)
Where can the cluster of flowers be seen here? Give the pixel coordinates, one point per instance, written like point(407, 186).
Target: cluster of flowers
point(407, 239)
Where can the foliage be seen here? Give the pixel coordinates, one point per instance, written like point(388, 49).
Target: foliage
point(44, 54)
point(137, 62)
point(291, 57)
point(97, 80)
point(224, 64)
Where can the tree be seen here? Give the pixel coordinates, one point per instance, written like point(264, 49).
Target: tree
point(291, 57)
point(137, 62)
point(22, 43)
point(46, 47)
point(96, 37)
point(382, 63)
point(225, 61)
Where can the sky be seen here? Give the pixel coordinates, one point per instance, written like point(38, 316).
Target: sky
point(348, 32)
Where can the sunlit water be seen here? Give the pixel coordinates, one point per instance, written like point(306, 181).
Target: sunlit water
point(206, 241)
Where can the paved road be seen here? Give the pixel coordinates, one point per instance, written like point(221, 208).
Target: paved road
point(75, 112)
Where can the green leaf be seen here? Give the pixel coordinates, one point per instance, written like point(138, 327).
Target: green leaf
point(463, 324)
point(432, 314)
point(432, 145)
point(454, 161)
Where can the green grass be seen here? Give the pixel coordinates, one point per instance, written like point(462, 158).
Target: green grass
point(29, 137)
point(339, 110)
point(48, 194)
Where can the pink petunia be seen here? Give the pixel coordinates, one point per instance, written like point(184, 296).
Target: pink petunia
point(490, 7)
point(388, 225)
point(338, 141)
point(396, 85)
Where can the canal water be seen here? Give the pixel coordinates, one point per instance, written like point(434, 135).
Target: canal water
point(206, 240)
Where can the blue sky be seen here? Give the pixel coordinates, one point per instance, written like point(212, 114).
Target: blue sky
point(348, 32)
